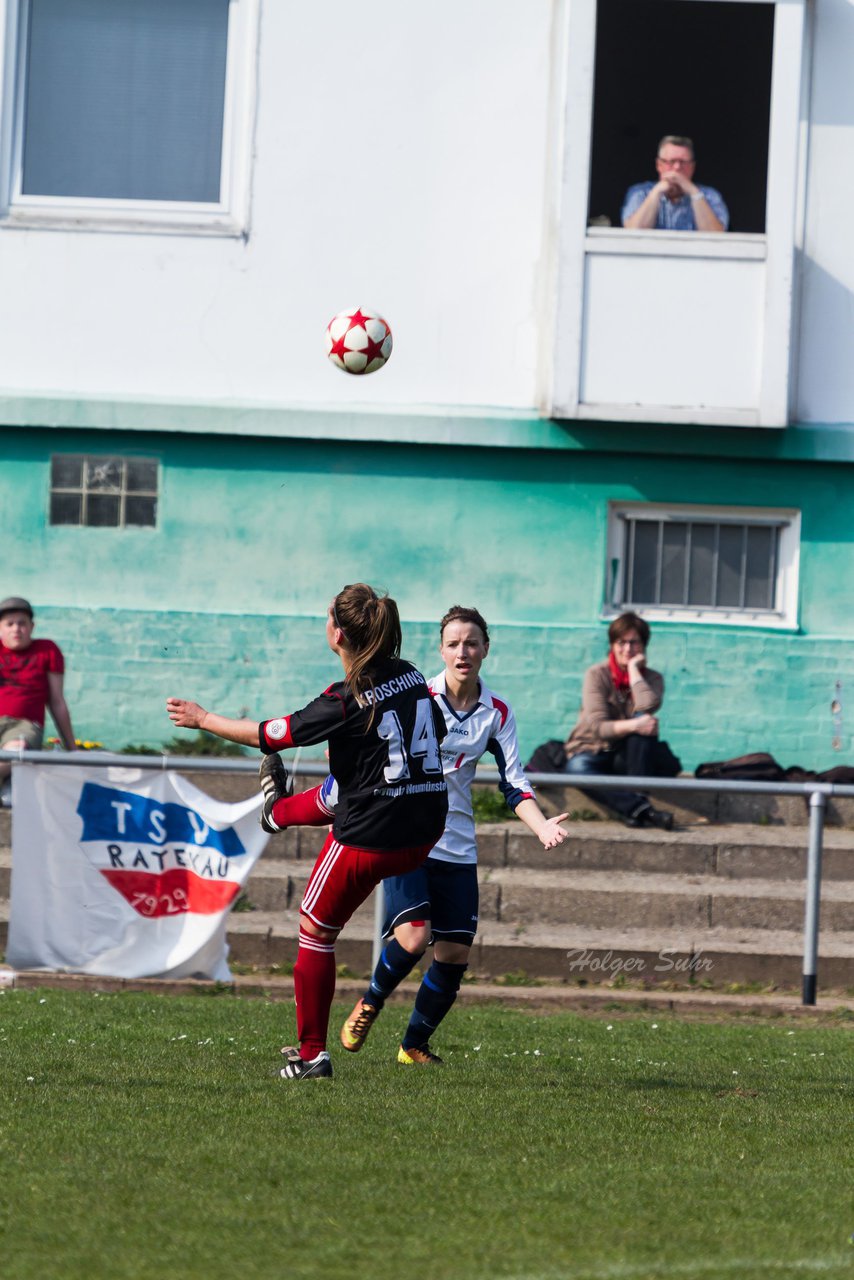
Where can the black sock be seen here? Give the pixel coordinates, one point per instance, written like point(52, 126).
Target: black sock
point(437, 993)
point(394, 964)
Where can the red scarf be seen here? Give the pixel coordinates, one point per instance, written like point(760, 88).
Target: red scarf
point(619, 675)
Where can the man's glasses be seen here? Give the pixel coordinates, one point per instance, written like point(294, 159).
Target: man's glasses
point(683, 164)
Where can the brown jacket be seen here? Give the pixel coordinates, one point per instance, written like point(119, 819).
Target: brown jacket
point(602, 704)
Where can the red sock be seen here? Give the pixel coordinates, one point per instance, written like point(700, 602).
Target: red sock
point(302, 810)
point(314, 987)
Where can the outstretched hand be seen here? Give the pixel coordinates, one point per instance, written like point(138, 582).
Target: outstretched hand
point(186, 715)
point(552, 833)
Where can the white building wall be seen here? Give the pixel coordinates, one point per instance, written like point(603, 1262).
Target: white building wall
point(825, 369)
point(400, 159)
point(404, 158)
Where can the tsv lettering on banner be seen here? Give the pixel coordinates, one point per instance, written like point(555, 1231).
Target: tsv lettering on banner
point(162, 857)
point(112, 815)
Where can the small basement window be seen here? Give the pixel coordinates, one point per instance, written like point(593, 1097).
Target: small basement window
point(103, 491)
point(701, 563)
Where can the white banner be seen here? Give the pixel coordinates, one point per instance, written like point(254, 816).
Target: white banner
point(125, 872)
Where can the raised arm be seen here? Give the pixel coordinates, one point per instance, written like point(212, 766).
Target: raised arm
point(705, 217)
point(189, 715)
point(644, 212)
point(647, 686)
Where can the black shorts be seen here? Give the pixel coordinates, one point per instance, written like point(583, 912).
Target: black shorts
point(445, 893)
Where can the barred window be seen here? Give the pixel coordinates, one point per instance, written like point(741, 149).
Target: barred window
point(103, 491)
point(713, 565)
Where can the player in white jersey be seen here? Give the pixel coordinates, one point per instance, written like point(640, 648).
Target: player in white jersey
point(438, 901)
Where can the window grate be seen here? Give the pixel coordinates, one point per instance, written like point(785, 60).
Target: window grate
point(701, 564)
point(103, 491)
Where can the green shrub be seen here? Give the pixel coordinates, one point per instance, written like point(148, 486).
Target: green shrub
point(489, 806)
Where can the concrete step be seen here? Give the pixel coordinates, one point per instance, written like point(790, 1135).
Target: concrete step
point(616, 899)
point(609, 901)
point(735, 851)
point(572, 954)
point(568, 953)
point(708, 806)
point(726, 851)
point(627, 900)
point(613, 897)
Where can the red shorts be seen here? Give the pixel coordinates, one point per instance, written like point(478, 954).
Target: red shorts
point(343, 877)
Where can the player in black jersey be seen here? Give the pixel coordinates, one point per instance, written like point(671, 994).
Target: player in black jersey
point(384, 732)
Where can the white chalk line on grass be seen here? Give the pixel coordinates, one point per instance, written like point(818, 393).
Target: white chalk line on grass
point(745, 1267)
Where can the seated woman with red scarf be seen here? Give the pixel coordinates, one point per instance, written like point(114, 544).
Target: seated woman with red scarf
point(617, 730)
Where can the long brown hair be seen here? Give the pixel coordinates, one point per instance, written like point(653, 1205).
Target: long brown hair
point(371, 626)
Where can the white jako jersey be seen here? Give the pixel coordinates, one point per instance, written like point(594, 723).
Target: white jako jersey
point(489, 726)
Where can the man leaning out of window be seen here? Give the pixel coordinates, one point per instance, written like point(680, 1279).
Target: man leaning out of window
point(675, 202)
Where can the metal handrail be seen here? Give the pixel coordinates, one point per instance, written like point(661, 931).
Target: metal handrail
point(184, 764)
point(817, 794)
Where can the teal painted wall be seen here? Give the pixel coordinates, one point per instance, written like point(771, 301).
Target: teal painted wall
point(224, 601)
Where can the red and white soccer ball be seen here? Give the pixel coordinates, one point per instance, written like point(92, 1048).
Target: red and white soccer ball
point(358, 341)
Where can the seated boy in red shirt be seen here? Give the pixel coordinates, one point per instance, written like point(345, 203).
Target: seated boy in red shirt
point(31, 674)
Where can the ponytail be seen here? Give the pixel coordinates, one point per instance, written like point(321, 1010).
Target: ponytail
point(371, 627)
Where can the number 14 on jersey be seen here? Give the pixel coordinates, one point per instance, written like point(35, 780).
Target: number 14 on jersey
point(424, 745)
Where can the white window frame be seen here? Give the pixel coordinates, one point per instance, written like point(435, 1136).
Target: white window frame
point(228, 217)
point(783, 618)
point(574, 241)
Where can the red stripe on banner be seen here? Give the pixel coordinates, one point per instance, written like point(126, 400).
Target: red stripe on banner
point(173, 892)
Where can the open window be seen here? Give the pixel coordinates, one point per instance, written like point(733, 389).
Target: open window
point(678, 326)
point(701, 70)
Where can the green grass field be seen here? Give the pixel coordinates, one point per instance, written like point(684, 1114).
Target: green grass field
point(149, 1136)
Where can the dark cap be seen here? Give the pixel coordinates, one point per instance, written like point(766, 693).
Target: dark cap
point(15, 604)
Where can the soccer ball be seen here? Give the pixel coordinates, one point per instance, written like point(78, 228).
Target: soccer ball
point(358, 341)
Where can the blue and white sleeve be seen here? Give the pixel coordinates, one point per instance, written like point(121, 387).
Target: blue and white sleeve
point(504, 745)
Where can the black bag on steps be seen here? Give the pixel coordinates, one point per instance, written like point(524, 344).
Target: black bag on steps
point(758, 766)
point(549, 757)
